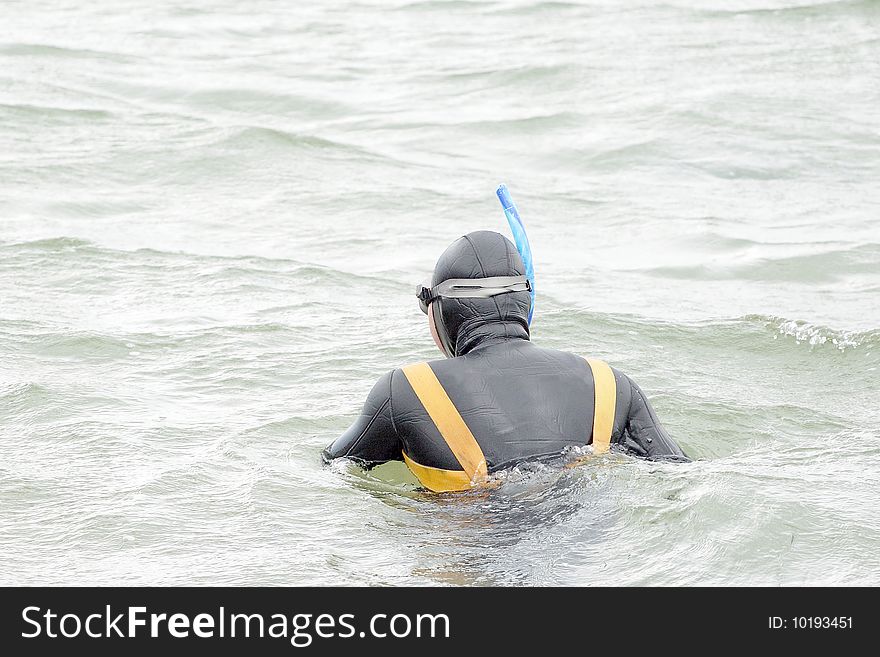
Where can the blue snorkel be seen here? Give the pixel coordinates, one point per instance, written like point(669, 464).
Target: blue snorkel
point(520, 238)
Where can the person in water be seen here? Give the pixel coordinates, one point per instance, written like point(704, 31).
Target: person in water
point(497, 399)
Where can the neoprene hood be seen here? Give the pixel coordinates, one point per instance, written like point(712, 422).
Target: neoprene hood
point(463, 324)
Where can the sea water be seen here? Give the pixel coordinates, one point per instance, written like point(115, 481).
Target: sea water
point(213, 216)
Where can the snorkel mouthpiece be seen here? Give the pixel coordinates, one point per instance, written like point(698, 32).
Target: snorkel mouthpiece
point(520, 239)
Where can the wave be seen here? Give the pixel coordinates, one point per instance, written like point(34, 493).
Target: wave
point(249, 100)
point(247, 136)
point(824, 8)
point(27, 111)
point(87, 267)
point(75, 245)
point(500, 77)
point(63, 252)
point(224, 343)
point(828, 266)
point(750, 332)
point(540, 8)
point(522, 125)
point(17, 396)
point(40, 49)
point(82, 345)
point(442, 5)
point(816, 335)
point(51, 244)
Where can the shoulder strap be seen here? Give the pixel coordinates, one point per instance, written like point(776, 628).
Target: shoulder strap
point(448, 420)
point(605, 397)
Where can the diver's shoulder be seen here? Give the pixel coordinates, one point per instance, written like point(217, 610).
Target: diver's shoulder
point(432, 363)
point(382, 387)
point(407, 370)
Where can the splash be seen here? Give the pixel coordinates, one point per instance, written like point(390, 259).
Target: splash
point(813, 335)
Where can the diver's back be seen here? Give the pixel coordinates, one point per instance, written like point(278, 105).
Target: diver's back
point(500, 399)
point(518, 400)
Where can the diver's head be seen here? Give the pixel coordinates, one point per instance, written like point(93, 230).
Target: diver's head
point(478, 292)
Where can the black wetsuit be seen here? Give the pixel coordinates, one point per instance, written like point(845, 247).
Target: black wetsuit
point(520, 401)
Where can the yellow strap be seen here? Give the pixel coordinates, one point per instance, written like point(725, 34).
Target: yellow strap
point(437, 480)
point(605, 397)
point(448, 421)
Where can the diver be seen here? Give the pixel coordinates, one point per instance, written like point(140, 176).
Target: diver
point(497, 399)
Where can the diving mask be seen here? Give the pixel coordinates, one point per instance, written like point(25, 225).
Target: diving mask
point(470, 288)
